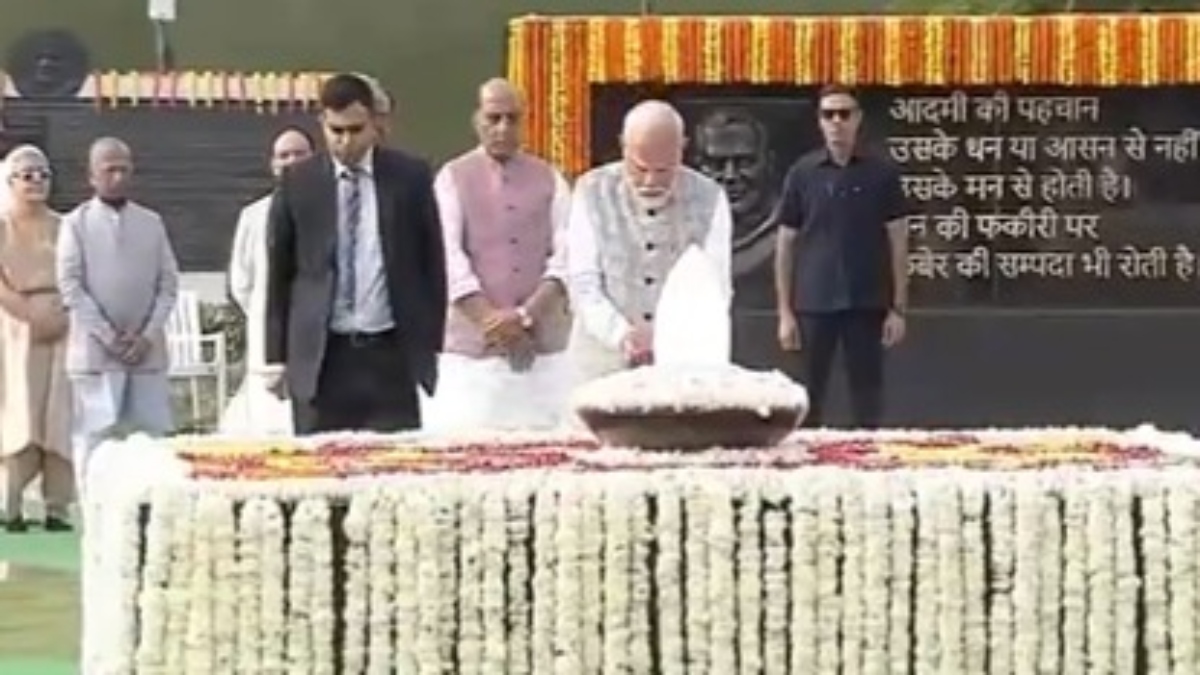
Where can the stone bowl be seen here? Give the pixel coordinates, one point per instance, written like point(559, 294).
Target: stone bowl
point(691, 430)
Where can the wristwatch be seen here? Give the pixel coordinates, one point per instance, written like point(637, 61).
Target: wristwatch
point(526, 320)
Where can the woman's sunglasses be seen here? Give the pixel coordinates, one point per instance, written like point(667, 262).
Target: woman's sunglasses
point(32, 175)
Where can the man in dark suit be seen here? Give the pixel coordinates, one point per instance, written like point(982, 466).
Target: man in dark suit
point(357, 279)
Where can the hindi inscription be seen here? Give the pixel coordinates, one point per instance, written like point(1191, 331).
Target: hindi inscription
point(1039, 197)
point(1066, 198)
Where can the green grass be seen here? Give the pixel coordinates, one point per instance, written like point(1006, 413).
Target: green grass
point(39, 604)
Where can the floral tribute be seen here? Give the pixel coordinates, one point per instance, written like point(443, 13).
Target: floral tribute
point(346, 458)
point(556, 60)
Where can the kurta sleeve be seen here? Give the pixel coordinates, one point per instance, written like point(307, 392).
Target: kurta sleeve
point(599, 315)
point(242, 259)
point(460, 276)
point(560, 217)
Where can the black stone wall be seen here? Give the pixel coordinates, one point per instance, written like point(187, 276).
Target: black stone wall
point(197, 166)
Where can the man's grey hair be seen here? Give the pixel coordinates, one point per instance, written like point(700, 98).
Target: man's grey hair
point(653, 115)
point(107, 145)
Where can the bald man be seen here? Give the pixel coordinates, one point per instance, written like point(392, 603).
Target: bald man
point(630, 221)
point(119, 279)
point(255, 409)
point(504, 218)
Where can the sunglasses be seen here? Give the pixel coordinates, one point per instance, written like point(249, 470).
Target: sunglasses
point(837, 113)
point(32, 175)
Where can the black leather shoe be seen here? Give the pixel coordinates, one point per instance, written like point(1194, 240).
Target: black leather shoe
point(15, 525)
point(58, 525)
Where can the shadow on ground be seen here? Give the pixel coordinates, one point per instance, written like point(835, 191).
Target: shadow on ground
point(40, 616)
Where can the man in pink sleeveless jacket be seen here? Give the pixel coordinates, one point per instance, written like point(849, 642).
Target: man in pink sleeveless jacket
point(504, 215)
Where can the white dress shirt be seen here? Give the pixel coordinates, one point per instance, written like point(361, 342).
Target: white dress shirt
point(372, 311)
point(600, 317)
point(459, 271)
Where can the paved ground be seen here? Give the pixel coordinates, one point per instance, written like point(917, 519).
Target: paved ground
point(39, 604)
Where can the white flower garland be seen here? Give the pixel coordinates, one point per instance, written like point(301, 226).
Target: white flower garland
point(749, 579)
point(1154, 560)
point(1027, 571)
point(928, 606)
point(1181, 558)
point(519, 604)
point(357, 526)
point(699, 613)
point(545, 576)
point(1127, 583)
point(1055, 556)
point(974, 570)
point(774, 581)
point(731, 571)
point(1101, 559)
point(383, 575)
point(592, 536)
point(952, 587)
point(251, 528)
point(640, 657)
point(829, 604)
point(470, 588)
point(618, 600)
point(853, 564)
point(1002, 565)
point(722, 584)
point(669, 538)
point(902, 563)
point(567, 628)
point(273, 598)
point(805, 594)
point(416, 578)
point(494, 543)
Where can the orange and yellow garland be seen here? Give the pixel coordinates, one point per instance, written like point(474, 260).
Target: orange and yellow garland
point(557, 59)
point(260, 91)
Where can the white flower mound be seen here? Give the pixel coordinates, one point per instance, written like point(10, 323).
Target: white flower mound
point(809, 570)
point(691, 389)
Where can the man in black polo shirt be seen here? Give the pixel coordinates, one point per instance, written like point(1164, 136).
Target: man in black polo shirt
point(841, 261)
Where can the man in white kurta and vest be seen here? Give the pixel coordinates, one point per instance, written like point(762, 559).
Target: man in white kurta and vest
point(504, 217)
point(630, 222)
point(119, 279)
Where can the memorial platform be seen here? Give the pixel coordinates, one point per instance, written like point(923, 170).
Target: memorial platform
point(969, 552)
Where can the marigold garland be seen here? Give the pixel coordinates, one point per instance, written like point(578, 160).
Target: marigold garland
point(265, 92)
point(556, 60)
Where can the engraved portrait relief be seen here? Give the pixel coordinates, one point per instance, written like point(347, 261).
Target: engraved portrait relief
point(747, 145)
point(48, 64)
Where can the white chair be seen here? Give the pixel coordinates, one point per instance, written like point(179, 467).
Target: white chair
point(193, 354)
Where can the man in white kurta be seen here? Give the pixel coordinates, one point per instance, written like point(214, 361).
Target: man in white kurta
point(255, 409)
point(630, 222)
point(504, 216)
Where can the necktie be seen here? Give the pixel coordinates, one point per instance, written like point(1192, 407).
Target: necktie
point(351, 216)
